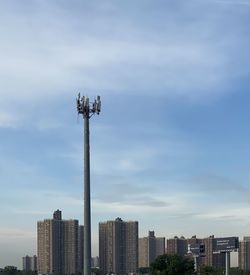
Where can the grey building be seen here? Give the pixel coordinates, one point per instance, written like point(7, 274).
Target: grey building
point(209, 259)
point(118, 246)
point(160, 248)
point(150, 248)
point(58, 245)
point(29, 263)
point(95, 262)
point(80, 248)
point(244, 254)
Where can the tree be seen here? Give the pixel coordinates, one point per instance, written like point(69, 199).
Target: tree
point(209, 270)
point(143, 270)
point(238, 271)
point(10, 270)
point(96, 271)
point(172, 265)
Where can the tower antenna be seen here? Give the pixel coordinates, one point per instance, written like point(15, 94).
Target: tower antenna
point(87, 109)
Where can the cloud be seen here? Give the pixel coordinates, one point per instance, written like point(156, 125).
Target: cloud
point(8, 120)
point(48, 124)
point(233, 214)
point(130, 195)
point(215, 182)
point(222, 188)
point(15, 233)
point(29, 212)
point(229, 2)
point(71, 54)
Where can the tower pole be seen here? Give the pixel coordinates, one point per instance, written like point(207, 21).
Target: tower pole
point(227, 255)
point(87, 109)
point(87, 216)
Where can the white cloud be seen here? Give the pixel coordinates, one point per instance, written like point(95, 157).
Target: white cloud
point(15, 233)
point(231, 2)
point(47, 124)
point(60, 58)
point(226, 213)
point(8, 120)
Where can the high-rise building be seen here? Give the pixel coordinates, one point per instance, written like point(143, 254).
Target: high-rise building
point(244, 254)
point(27, 263)
point(118, 246)
point(95, 262)
point(57, 245)
point(80, 248)
point(160, 247)
point(196, 241)
point(30, 263)
point(209, 258)
point(150, 248)
point(70, 246)
point(177, 246)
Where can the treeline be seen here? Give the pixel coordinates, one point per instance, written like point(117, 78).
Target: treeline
point(12, 270)
point(163, 265)
point(177, 265)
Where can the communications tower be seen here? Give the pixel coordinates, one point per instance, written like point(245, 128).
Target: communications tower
point(87, 109)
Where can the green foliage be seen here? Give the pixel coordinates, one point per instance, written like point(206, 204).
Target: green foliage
point(143, 270)
point(172, 265)
point(208, 270)
point(238, 271)
point(96, 271)
point(12, 270)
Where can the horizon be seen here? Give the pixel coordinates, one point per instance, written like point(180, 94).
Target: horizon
point(171, 145)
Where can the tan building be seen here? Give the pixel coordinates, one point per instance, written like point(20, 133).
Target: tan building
point(118, 246)
point(70, 246)
point(57, 245)
point(150, 248)
point(244, 254)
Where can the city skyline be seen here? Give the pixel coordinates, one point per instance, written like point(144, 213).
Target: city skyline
point(171, 148)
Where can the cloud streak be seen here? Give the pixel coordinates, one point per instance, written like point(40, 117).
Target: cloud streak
point(229, 2)
point(8, 120)
point(140, 62)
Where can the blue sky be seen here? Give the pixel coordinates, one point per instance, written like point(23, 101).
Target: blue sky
point(171, 146)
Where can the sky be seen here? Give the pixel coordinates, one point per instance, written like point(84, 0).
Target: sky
point(170, 148)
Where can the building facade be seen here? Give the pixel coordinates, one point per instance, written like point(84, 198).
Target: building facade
point(150, 248)
point(244, 254)
point(95, 262)
point(58, 245)
point(80, 247)
point(209, 259)
point(118, 246)
point(177, 246)
point(30, 263)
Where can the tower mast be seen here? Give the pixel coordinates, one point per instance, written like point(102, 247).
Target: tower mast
point(87, 109)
